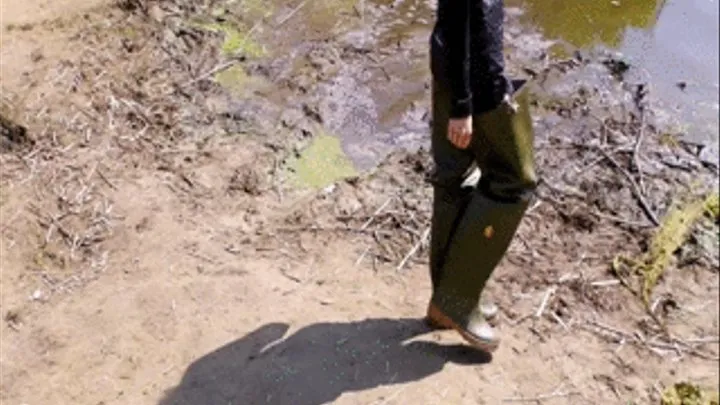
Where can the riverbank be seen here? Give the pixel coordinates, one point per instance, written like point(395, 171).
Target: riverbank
point(160, 236)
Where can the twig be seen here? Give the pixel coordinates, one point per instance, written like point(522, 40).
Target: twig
point(540, 397)
point(544, 303)
point(388, 251)
point(655, 304)
point(636, 151)
point(555, 394)
point(605, 283)
point(607, 328)
point(560, 321)
point(606, 129)
point(674, 344)
point(362, 256)
point(635, 188)
point(414, 249)
point(217, 69)
point(292, 13)
point(106, 180)
point(518, 321)
point(290, 276)
point(534, 207)
point(313, 228)
point(376, 213)
point(709, 339)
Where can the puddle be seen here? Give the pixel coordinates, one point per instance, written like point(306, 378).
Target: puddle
point(363, 64)
point(672, 44)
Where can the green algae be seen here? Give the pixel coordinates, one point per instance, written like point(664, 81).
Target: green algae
point(234, 78)
point(321, 164)
point(236, 41)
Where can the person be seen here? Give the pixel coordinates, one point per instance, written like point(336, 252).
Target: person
point(480, 122)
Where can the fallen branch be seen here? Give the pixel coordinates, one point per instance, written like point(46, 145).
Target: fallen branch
point(291, 14)
point(655, 346)
point(312, 228)
point(557, 393)
point(217, 69)
point(636, 151)
point(540, 397)
point(634, 187)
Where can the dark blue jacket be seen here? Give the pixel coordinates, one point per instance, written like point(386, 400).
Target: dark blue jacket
point(466, 50)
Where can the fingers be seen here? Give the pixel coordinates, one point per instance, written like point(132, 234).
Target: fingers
point(464, 140)
point(453, 136)
point(460, 137)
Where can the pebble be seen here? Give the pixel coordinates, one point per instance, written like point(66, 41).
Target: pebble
point(38, 295)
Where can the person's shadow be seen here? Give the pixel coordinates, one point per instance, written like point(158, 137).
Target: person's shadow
point(315, 365)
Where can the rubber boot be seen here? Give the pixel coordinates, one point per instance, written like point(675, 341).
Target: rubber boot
point(480, 242)
point(456, 176)
point(448, 209)
point(504, 139)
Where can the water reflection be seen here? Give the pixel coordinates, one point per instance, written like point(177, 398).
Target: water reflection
point(671, 44)
point(593, 22)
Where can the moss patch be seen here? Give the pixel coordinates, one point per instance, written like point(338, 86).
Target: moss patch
point(233, 78)
point(673, 232)
point(688, 394)
point(236, 40)
point(236, 80)
point(321, 164)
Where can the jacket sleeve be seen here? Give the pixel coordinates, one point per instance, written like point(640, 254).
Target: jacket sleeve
point(487, 67)
point(457, 31)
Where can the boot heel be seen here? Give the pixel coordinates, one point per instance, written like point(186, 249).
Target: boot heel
point(489, 344)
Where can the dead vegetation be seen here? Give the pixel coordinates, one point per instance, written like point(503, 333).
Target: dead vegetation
point(144, 88)
point(140, 86)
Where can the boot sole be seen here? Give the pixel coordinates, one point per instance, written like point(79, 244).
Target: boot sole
point(435, 316)
point(435, 324)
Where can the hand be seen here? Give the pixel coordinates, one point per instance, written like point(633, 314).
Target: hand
point(460, 132)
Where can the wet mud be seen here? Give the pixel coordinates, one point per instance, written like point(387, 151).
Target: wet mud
point(365, 77)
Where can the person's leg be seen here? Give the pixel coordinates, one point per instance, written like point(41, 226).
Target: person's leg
point(450, 167)
point(454, 178)
point(490, 219)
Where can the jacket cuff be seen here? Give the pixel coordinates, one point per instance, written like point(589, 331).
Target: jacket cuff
point(461, 108)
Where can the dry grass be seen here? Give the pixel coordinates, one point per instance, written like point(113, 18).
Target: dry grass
point(123, 95)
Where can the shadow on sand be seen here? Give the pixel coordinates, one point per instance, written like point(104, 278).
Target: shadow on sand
point(315, 365)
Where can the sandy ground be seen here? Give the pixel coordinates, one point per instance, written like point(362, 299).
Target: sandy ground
point(141, 270)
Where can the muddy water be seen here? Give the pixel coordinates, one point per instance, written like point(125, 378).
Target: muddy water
point(377, 102)
point(672, 44)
